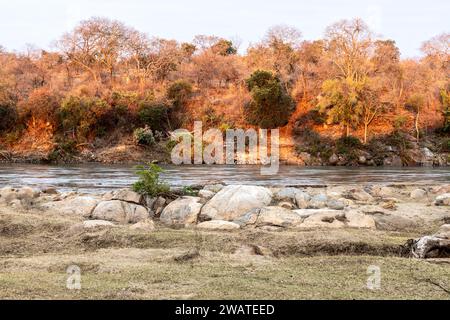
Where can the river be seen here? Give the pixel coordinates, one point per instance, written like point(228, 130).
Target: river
point(98, 178)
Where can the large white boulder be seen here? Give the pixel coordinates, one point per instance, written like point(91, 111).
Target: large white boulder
point(443, 200)
point(120, 211)
point(183, 211)
point(234, 201)
point(79, 205)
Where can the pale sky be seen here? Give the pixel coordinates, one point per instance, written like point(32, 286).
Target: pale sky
point(40, 22)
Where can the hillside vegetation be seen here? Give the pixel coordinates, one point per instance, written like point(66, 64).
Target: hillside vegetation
point(108, 92)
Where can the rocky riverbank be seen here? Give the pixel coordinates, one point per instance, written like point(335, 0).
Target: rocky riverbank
point(219, 207)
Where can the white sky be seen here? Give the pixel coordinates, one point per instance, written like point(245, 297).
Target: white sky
point(40, 22)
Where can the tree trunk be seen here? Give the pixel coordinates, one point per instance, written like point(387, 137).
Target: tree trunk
point(417, 126)
point(366, 127)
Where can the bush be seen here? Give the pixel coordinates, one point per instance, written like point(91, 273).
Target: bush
point(271, 106)
point(348, 146)
point(179, 93)
point(41, 104)
point(84, 116)
point(149, 182)
point(154, 115)
point(8, 116)
point(144, 136)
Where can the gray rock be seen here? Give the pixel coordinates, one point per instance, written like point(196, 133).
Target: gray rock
point(335, 204)
point(318, 202)
point(215, 188)
point(302, 199)
point(182, 212)
point(233, 202)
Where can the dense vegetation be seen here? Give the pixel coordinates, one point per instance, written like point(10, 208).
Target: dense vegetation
point(106, 81)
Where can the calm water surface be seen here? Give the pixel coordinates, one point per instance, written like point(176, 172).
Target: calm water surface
point(95, 177)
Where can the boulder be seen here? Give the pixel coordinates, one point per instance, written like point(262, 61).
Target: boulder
point(357, 219)
point(335, 204)
point(127, 195)
point(78, 205)
point(358, 194)
point(206, 194)
point(278, 217)
point(145, 225)
point(182, 212)
point(418, 194)
point(9, 194)
point(218, 225)
point(305, 213)
point(215, 188)
point(233, 202)
point(302, 199)
point(443, 200)
point(318, 202)
point(393, 222)
point(95, 224)
point(286, 194)
point(334, 159)
point(120, 211)
point(330, 219)
point(444, 231)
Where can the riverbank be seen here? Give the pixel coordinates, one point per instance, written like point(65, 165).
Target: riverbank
point(218, 241)
point(307, 150)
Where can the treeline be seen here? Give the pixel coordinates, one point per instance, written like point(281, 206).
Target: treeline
point(105, 76)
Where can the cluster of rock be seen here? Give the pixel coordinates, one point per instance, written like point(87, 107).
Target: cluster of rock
point(220, 207)
point(389, 156)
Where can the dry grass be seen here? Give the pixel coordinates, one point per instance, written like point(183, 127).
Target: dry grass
point(36, 249)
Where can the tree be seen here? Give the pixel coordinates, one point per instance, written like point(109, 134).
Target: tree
point(348, 47)
point(96, 44)
point(339, 100)
point(271, 106)
point(415, 103)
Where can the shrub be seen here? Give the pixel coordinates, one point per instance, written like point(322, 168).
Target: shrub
point(271, 106)
point(144, 136)
point(8, 117)
point(179, 93)
point(149, 182)
point(41, 104)
point(154, 115)
point(348, 146)
point(83, 116)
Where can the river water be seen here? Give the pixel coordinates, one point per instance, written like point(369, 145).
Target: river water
point(99, 178)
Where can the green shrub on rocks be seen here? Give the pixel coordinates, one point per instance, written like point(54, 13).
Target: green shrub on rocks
point(149, 181)
point(144, 136)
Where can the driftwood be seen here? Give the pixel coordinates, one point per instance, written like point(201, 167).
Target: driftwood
point(430, 247)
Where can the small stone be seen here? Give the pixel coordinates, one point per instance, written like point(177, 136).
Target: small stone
point(335, 204)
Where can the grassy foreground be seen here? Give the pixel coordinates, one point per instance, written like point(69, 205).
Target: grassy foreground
point(36, 249)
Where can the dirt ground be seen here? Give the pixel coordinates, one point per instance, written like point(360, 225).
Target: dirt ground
point(37, 248)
